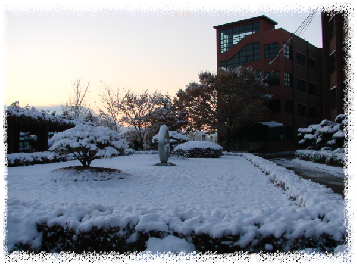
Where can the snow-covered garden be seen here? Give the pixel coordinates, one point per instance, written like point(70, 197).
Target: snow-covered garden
point(228, 204)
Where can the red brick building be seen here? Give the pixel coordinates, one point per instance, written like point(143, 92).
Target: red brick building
point(334, 35)
point(291, 66)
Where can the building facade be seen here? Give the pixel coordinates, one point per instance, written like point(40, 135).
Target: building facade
point(334, 37)
point(292, 69)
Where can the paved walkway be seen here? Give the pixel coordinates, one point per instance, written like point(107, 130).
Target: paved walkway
point(334, 181)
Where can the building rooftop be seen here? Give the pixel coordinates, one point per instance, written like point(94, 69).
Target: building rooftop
point(244, 21)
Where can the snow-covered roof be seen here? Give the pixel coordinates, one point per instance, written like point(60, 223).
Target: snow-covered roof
point(32, 112)
point(272, 124)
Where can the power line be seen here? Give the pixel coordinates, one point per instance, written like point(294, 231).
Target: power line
point(299, 31)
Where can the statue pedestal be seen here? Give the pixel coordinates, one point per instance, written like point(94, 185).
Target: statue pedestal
point(168, 164)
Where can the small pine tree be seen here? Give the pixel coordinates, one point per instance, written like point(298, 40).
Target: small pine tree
point(87, 143)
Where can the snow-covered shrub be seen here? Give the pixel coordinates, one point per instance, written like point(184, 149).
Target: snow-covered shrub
point(129, 151)
point(88, 143)
point(324, 142)
point(204, 149)
point(326, 134)
point(27, 159)
point(333, 158)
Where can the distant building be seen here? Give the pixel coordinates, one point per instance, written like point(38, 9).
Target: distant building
point(203, 136)
point(334, 37)
point(292, 69)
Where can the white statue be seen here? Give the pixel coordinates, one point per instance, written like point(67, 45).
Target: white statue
point(164, 146)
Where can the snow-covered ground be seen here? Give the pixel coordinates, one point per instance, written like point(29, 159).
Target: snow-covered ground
point(213, 196)
point(337, 171)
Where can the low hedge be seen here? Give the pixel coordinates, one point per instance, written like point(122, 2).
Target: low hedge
point(331, 158)
point(198, 149)
point(28, 159)
point(58, 239)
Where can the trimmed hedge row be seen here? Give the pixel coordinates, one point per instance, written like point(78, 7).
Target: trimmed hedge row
point(332, 158)
point(28, 159)
point(198, 153)
point(58, 239)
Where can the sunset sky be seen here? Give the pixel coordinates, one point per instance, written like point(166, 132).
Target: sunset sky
point(132, 45)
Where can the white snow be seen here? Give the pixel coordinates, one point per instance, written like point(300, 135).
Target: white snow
point(228, 195)
point(338, 171)
point(197, 144)
point(32, 112)
point(168, 244)
point(162, 132)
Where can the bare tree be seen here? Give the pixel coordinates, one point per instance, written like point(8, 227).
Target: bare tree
point(111, 114)
point(76, 105)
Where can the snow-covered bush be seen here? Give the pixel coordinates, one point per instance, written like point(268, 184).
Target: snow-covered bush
point(326, 134)
point(324, 142)
point(87, 143)
point(333, 158)
point(204, 149)
point(27, 159)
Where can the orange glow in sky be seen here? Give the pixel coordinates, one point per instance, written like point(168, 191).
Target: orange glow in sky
point(160, 49)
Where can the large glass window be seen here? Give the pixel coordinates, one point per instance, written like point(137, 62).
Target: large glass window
point(271, 50)
point(231, 37)
point(250, 52)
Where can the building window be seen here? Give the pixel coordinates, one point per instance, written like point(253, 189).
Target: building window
point(287, 79)
point(289, 133)
point(274, 106)
point(287, 51)
point(250, 52)
point(289, 106)
point(313, 112)
point(231, 37)
point(301, 85)
point(301, 110)
point(312, 89)
point(311, 64)
point(300, 59)
point(271, 50)
point(332, 58)
point(272, 78)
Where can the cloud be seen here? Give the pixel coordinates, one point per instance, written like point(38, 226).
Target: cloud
point(181, 14)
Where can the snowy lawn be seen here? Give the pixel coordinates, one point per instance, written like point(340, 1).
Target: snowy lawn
point(218, 197)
